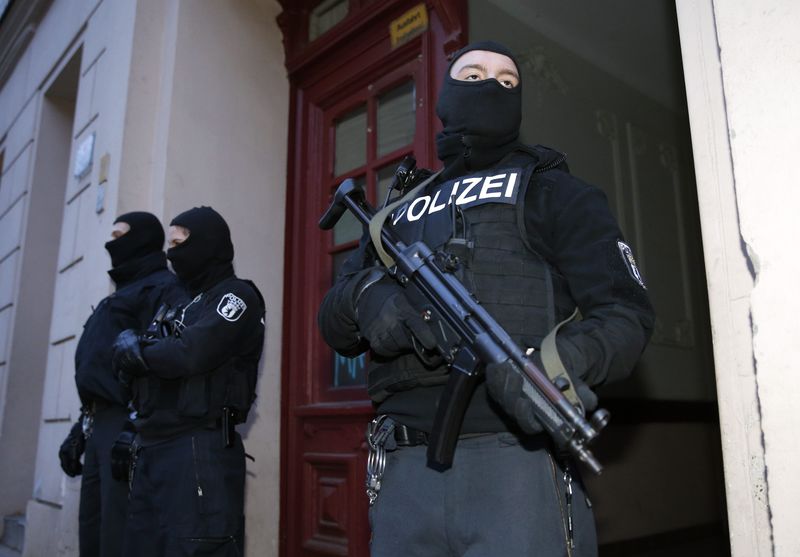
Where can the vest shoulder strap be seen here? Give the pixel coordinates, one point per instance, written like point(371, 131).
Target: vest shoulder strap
point(533, 156)
point(523, 232)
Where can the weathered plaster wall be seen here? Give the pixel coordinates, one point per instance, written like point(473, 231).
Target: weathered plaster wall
point(189, 100)
point(742, 66)
point(103, 32)
point(760, 53)
point(220, 139)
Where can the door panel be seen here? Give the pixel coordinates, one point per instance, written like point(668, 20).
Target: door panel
point(358, 107)
point(366, 143)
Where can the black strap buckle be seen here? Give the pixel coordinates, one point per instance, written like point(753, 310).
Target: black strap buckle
point(409, 437)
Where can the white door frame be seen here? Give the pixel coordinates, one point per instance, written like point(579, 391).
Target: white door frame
point(741, 85)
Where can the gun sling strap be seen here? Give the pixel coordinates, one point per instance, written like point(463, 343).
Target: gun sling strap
point(376, 224)
point(551, 361)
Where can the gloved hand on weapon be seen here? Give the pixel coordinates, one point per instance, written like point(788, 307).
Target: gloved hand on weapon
point(126, 354)
point(389, 323)
point(505, 383)
point(71, 450)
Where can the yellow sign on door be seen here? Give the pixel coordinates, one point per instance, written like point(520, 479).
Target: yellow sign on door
point(408, 25)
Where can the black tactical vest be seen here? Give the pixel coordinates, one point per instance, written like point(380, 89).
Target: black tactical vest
point(166, 406)
point(479, 218)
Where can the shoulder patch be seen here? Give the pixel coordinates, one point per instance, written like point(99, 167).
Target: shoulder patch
point(627, 256)
point(231, 307)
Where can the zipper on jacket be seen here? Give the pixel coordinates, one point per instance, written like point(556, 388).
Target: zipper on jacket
point(196, 473)
point(568, 498)
point(551, 164)
point(224, 540)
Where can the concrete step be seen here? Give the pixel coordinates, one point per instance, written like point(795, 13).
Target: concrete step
point(13, 532)
point(6, 551)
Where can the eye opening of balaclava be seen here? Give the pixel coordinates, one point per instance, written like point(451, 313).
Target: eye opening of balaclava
point(145, 236)
point(480, 119)
point(140, 250)
point(206, 256)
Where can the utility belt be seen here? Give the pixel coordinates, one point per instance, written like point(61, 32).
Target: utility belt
point(225, 423)
point(384, 434)
point(98, 404)
point(405, 436)
point(88, 412)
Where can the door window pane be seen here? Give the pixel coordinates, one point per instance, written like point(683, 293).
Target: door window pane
point(396, 118)
point(350, 149)
point(327, 14)
point(349, 372)
point(384, 179)
point(348, 228)
point(338, 261)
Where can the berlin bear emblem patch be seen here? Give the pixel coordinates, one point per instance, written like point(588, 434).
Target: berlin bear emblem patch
point(627, 256)
point(231, 307)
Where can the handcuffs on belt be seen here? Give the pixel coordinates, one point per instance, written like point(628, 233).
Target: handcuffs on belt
point(379, 430)
point(87, 420)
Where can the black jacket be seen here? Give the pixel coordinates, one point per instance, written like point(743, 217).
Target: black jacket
point(192, 374)
point(569, 223)
point(130, 307)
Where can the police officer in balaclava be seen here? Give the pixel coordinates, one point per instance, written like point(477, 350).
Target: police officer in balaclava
point(194, 380)
point(139, 271)
point(534, 244)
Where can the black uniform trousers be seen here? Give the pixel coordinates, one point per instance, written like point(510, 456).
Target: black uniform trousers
point(104, 500)
point(504, 496)
point(187, 498)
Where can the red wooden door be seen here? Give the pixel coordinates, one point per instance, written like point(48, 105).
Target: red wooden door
point(358, 106)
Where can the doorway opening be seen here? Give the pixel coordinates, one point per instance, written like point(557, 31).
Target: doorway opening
point(604, 83)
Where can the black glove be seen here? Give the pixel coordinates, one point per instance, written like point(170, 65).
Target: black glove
point(505, 381)
point(126, 354)
point(585, 394)
point(71, 450)
point(121, 453)
point(389, 323)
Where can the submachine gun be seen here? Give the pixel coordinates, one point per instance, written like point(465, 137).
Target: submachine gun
point(468, 338)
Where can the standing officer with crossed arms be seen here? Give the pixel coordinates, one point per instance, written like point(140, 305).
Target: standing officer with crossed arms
point(139, 271)
point(194, 380)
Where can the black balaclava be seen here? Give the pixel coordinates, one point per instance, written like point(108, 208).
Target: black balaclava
point(206, 256)
point(481, 119)
point(139, 251)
